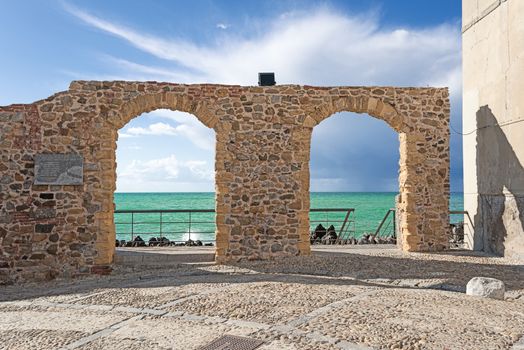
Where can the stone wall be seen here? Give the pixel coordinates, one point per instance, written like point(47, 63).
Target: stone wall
point(263, 139)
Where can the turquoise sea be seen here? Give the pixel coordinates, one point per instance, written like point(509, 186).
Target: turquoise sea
point(370, 208)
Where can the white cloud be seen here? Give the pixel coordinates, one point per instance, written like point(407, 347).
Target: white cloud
point(200, 168)
point(321, 47)
point(222, 25)
point(165, 170)
point(159, 47)
point(177, 116)
point(122, 134)
point(188, 127)
point(132, 70)
point(153, 129)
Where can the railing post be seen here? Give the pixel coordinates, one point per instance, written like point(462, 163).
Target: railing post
point(132, 226)
point(160, 225)
point(345, 221)
point(377, 232)
point(394, 223)
point(189, 231)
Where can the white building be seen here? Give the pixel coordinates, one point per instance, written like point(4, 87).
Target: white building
point(493, 124)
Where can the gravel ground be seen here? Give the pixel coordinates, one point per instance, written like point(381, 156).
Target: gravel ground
point(340, 298)
point(269, 302)
point(424, 319)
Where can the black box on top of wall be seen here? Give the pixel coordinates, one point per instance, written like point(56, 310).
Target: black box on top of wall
point(266, 79)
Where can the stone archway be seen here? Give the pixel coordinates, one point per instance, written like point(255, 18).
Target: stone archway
point(263, 137)
point(424, 155)
point(116, 118)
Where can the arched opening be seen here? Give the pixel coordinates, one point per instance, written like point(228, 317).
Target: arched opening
point(354, 171)
point(165, 184)
point(422, 210)
point(115, 118)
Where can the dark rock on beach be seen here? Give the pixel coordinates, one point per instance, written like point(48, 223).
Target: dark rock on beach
point(138, 242)
point(364, 239)
point(331, 236)
point(317, 235)
point(153, 242)
point(391, 240)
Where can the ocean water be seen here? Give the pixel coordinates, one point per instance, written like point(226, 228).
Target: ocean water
point(370, 208)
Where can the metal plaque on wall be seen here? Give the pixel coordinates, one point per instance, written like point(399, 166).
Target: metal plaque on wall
point(59, 169)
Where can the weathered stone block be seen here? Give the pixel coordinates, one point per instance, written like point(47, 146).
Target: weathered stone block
point(486, 287)
point(44, 228)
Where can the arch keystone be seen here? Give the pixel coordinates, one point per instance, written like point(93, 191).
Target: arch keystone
point(309, 122)
point(372, 104)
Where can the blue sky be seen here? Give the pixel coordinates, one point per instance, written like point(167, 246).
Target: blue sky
point(47, 44)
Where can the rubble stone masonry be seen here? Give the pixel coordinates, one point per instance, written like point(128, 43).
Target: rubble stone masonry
point(263, 137)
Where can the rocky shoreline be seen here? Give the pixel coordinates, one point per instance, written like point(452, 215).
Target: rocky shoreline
point(318, 236)
point(160, 242)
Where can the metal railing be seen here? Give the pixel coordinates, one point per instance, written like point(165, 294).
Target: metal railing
point(182, 225)
point(465, 239)
point(387, 228)
point(177, 225)
point(339, 216)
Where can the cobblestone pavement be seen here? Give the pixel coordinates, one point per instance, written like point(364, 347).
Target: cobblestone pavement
point(340, 298)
